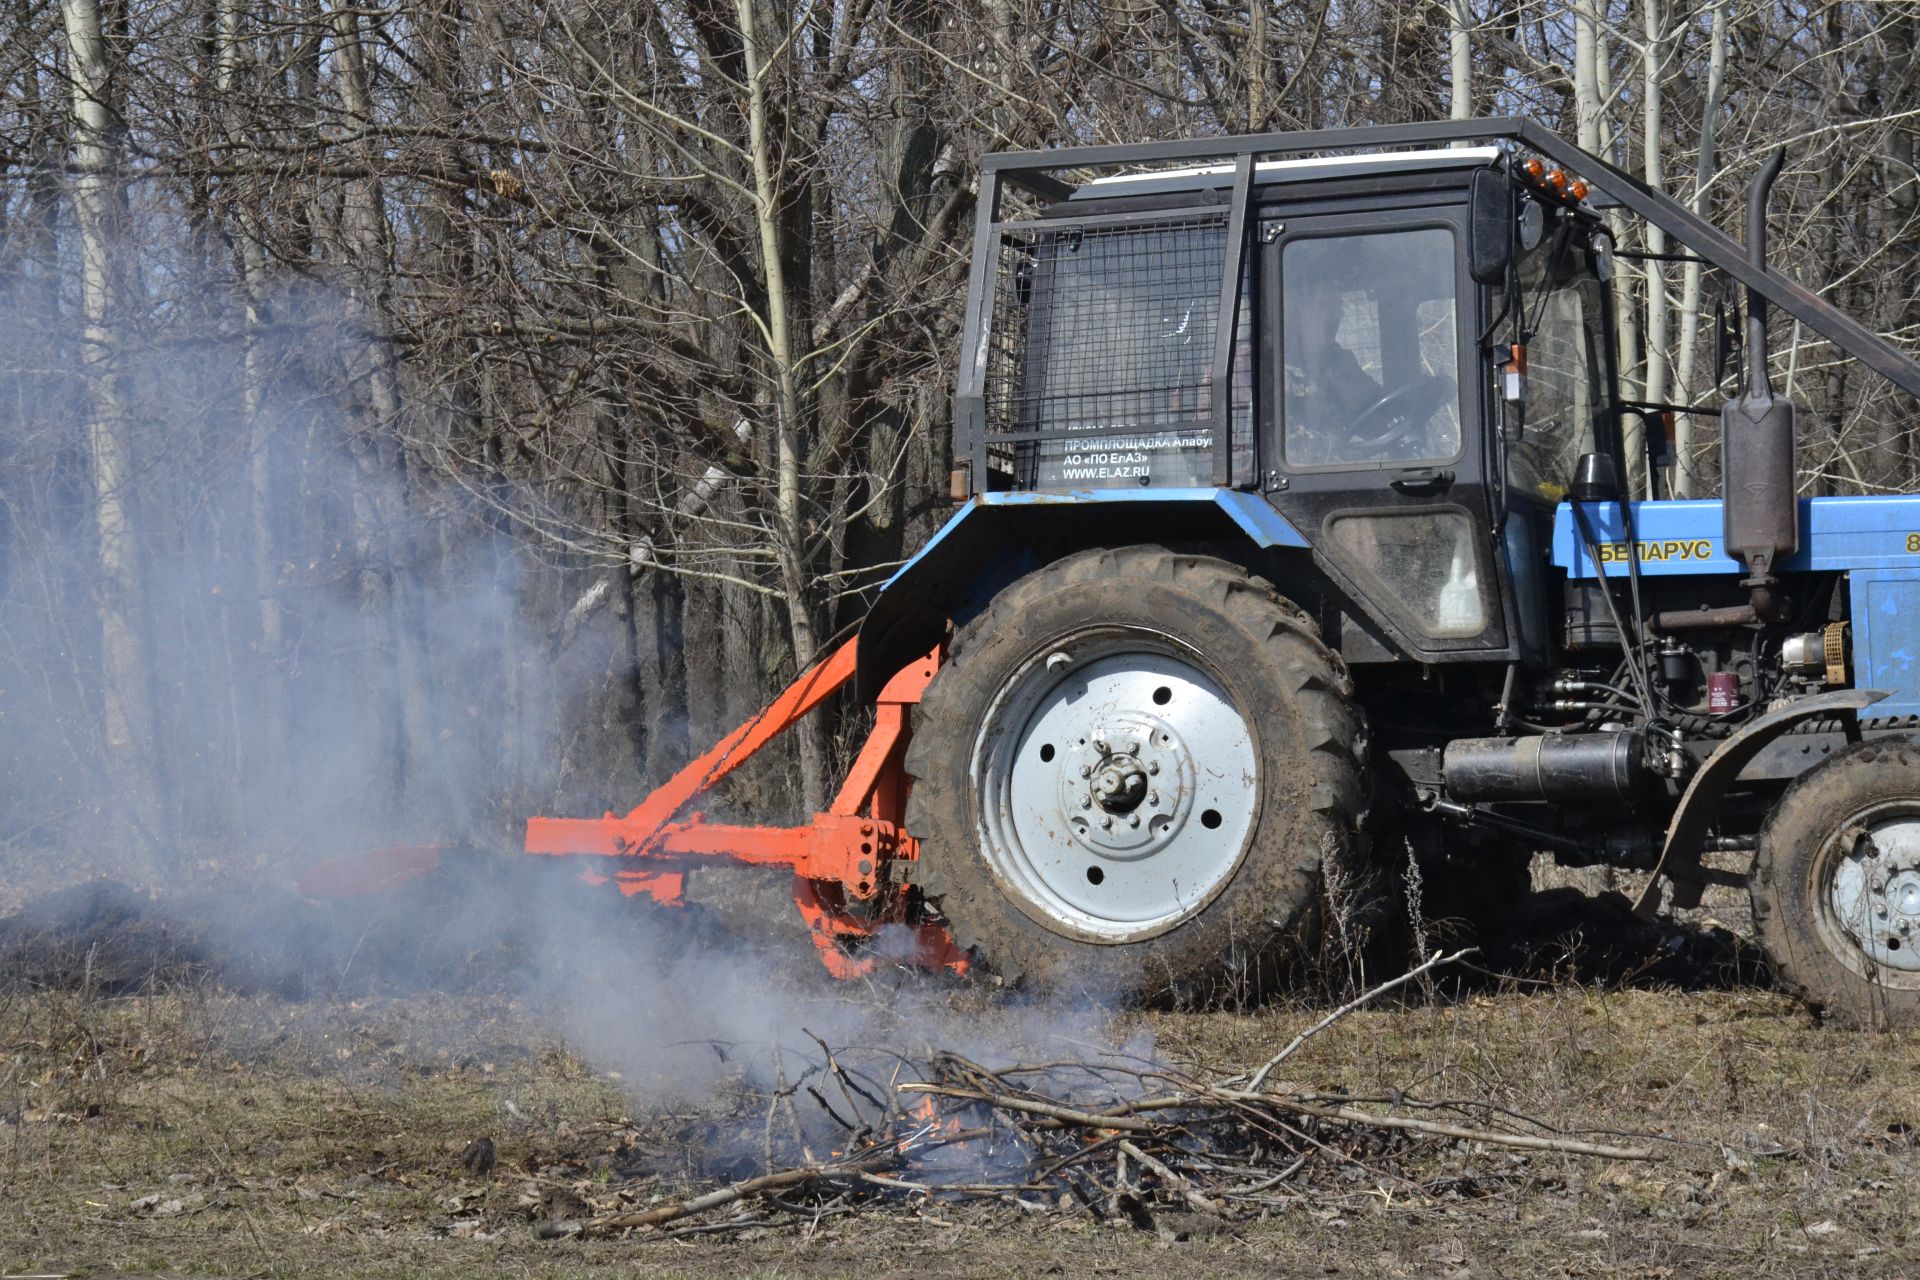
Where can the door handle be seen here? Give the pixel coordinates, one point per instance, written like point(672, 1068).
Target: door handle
point(1422, 480)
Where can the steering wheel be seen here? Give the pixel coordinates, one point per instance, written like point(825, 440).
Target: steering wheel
point(1395, 416)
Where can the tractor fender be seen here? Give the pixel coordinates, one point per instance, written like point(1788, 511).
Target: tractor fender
point(1701, 800)
point(995, 538)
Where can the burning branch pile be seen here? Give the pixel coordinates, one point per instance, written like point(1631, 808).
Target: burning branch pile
point(1108, 1139)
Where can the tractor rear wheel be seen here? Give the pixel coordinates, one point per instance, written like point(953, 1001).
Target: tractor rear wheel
point(1836, 886)
point(1129, 776)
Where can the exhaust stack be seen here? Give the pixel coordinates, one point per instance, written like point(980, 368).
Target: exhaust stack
point(1757, 437)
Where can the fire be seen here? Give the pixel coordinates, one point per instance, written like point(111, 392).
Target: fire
point(928, 1123)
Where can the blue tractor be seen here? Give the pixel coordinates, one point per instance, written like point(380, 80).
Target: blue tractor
point(1298, 540)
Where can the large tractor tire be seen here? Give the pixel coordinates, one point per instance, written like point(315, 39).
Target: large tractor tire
point(1836, 886)
point(1129, 777)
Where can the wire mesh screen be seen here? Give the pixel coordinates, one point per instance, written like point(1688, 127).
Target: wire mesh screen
point(1110, 332)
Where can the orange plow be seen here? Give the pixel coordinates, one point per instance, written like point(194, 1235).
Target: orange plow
point(842, 861)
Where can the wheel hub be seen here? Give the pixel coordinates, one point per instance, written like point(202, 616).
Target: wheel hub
point(1117, 786)
point(1129, 791)
point(1875, 891)
point(1120, 784)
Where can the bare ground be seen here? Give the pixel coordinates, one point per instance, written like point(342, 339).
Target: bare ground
point(181, 1128)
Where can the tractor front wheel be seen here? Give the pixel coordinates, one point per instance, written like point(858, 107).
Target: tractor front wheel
point(1836, 886)
point(1129, 776)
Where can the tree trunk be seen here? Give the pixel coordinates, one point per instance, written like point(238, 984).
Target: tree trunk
point(1652, 145)
point(270, 766)
point(1460, 51)
point(791, 535)
point(133, 754)
point(383, 471)
point(1686, 468)
point(1257, 59)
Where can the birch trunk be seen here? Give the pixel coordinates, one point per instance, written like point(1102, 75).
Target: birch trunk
point(1586, 88)
point(1685, 469)
point(1654, 65)
point(1460, 55)
point(132, 749)
point(1592, 92)
point(1653, 70)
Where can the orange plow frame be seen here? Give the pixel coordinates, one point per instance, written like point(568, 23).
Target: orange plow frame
point(840, 861)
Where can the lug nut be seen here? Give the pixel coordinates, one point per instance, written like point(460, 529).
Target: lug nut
point(1153, 797)
point(1086, 802)
point(1106, 824)
point(1153, 766)
point(1086, 771)
point(1133, 820)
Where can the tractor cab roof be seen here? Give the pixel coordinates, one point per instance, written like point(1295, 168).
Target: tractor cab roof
point(1308, 169)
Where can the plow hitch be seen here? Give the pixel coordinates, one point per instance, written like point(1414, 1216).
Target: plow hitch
point(842, 861)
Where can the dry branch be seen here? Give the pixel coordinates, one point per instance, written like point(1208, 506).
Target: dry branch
point(1052, 1111)
point(1293, 1046)
point(843, 1170)
point(1211, 1148)
point(1492, 1137)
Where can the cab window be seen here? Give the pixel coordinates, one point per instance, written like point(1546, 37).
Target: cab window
point(1565, 383)
point(1370, 349)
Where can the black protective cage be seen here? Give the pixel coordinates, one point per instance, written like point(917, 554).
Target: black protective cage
point(999, 422)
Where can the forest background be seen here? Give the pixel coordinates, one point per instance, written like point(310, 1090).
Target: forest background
point(415, 416)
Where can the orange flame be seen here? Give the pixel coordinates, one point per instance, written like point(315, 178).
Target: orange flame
point(929, 1123)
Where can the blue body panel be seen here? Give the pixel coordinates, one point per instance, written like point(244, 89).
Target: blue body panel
point(990, 542)
point(1253, 514)
point(1875, 541)
point(1886, 636)
point(1685, 536)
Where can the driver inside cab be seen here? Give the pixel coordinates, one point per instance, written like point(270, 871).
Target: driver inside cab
point(1327, 388)
point(1369, 362)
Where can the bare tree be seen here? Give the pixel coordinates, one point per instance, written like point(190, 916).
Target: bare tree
point(488, 405)
point(126, 692)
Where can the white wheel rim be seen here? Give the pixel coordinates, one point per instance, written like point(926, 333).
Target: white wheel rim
point(1116, 784)
point(1871, 900)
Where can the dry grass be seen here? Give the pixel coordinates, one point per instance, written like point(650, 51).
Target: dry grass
point(303, 1139)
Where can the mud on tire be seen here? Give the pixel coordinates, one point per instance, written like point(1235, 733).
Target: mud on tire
point(1308, 743)
point(1815, 905)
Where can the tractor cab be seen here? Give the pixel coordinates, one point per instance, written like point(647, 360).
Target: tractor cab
point(1406, 362)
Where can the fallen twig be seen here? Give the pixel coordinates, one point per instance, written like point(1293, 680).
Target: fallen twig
point(1492, 1137)
point(1174, 1181)
point(1293, 1046)
point(871, 1162)
point(1023, 1136)
point(1052, 1111)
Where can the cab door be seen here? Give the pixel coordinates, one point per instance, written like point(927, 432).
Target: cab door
point(1373, 424)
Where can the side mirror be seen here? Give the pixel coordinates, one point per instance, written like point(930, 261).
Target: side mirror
point(1490, 226)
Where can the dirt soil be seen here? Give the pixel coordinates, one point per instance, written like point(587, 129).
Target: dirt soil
point(179, 1121)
